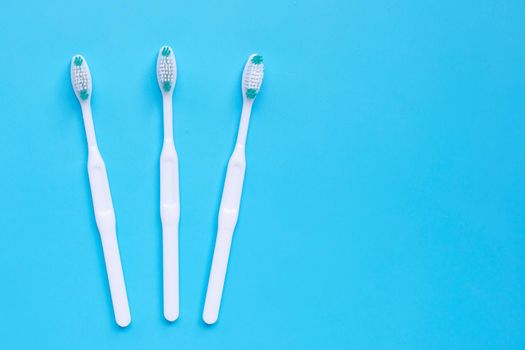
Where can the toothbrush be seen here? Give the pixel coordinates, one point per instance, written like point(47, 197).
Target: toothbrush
point(231, 195)
point(102, 204)
point(169, 187)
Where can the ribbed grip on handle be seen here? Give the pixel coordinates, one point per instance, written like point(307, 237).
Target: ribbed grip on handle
point(105, 218)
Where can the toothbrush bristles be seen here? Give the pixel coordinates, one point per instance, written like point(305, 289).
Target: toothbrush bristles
point(253, 76)
point(166, 69)
point(80, 78)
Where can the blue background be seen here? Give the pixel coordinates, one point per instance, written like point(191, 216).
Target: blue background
point(384, 200)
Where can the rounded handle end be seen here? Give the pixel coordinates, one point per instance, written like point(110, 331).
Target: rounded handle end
point(210, 317)
point(123, 320)
point(171, 315)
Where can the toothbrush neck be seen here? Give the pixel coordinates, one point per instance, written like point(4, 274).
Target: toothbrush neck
point(88, 125)
point(168, 117)
point(245, 121)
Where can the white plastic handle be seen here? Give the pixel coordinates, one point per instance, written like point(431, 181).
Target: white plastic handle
point(117, 286)
point(105, 218)
point(170, 214)
point(228, 215)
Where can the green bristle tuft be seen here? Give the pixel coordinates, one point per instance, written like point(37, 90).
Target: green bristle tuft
point(257, 59)
point(166, 51)
point(78, 61)
point(83, 95)
point(251, 93)
point(166, 86)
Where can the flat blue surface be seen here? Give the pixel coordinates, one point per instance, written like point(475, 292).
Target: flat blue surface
point(384, 201)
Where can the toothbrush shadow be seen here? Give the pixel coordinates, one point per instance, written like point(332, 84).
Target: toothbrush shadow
point(73, 109)
point(237, 106)
point(204, 289)
point(211, 250)
point(67, 90)
point(153, 90)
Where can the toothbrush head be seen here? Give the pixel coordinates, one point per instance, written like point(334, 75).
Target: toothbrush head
point(252, 76)
point(81, 78)
point(166, 70)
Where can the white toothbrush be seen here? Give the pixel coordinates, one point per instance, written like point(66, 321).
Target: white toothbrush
point(231, 194)
point(169, 187)
point(102, 204)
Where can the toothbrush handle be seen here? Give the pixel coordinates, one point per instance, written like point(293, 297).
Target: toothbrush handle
point(117, 286)
point(105, 218)
point(228, 215)
point(170, 214)
point(217, 276)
